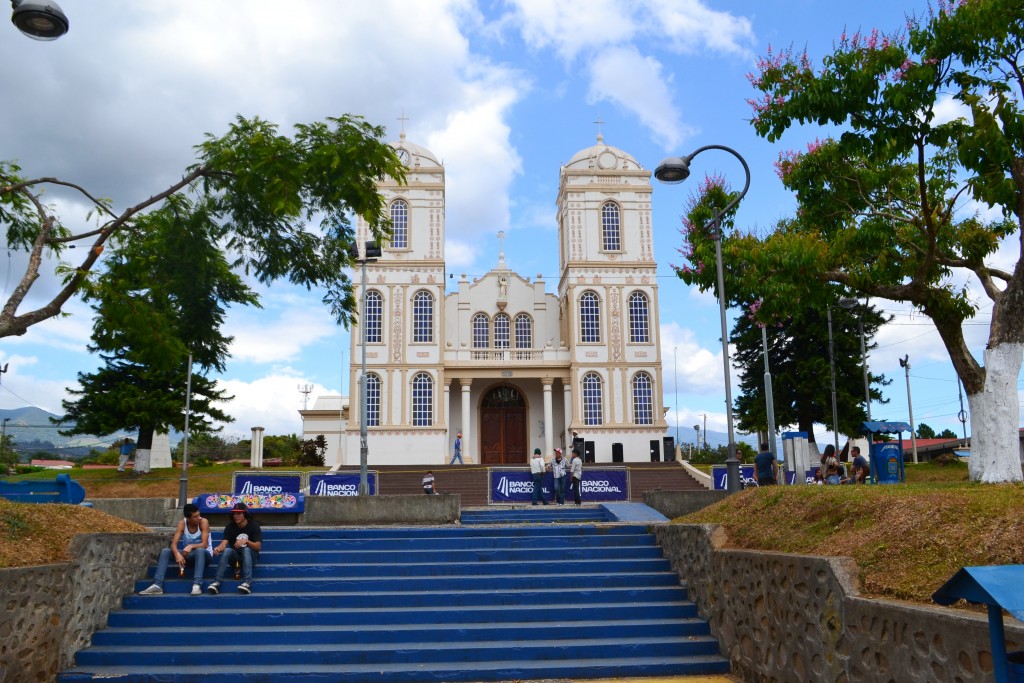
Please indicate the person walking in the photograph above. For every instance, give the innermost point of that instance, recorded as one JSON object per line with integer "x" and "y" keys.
{"x": 242, "y": 542}
{"x": 559, "y": 476}
{"x": 766, "y": 468}
{"x": 537, "y": 470}
{"x": 124, "y": 453}
{"x": 191, "y": 544}
{"x": 576, "y": 471}
{"x": 458, "y": 450}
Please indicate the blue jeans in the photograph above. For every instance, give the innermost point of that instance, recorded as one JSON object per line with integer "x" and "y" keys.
{"x": 538, "y": 494}
{"x": 199, "y": 558}
{"x": 228, "y": 559}
{"x": 559, "y": 486}
{"x": 457, "y": 456}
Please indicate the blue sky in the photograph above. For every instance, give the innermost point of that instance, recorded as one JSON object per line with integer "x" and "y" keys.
{"x": 502, "y": 92}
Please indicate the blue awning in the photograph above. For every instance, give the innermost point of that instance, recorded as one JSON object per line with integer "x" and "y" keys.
{"x": 999, "y": 585}
{"x": 885, "y": 427}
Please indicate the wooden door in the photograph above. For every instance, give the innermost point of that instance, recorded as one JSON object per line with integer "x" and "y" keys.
{"x": 503, "y": 438}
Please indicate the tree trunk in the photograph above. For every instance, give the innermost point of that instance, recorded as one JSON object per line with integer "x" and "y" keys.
{"x": 143, "y": 449}
{"x": 995, "y": 414}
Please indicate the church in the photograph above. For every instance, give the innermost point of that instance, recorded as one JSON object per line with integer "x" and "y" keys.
{"x": 501, "y": 359}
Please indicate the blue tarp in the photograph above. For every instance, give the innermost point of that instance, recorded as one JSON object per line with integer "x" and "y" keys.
{"x": 885, "y": 427}
{"x": 999, "y": 585}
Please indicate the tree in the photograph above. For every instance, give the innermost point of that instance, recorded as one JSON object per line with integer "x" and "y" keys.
{"x": 881, "y": 205}
{"x": 259, "y": 187}
{"x": 798, "y": 357}
{"x": 161, "y": 300}
{"x": 925, "y": 432}
{"x": 946, "y": 434}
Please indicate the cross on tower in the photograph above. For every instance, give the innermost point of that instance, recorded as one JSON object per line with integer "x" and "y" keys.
{"x": 403, "y": 118}
{"x": 600, "y": 138}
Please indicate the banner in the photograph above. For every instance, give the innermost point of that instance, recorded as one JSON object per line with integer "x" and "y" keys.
{"x": 266, "y": 485}
{"x": 278, "y": 502}
{"x": 346, "y": 484}
{"x": 719, "y": 475}
{"x": 598, "y": 485}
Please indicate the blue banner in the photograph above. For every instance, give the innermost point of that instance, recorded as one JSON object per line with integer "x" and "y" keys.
{"x": 266, "y": 485}
{"x": 256, "y": 502}
{"x": 719, "y": 475}
{"x": 516, "y": 486}
{"x": 346, "y": 484}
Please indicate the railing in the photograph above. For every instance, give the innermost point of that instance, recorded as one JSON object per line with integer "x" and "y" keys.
{"x": 504, "y": 355}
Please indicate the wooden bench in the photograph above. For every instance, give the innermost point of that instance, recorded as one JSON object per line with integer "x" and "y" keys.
{"x": 62, "y": 490}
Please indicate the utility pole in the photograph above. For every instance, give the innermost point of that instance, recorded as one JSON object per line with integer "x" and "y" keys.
{"x": 305, "y": 390}
{"x": 905, "y": 364}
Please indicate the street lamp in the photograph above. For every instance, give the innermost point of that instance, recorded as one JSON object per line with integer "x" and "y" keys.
{"x": 183, "y": 482}
{"x": 676, "y": 170}
{"x": 696, "y": 428}
{"x": 371, "y": 252}
{"x": 769, "y": 398}
{"x": 905, "y": 364}
{"x": 832, "y": 368}
{"x": 39, "y": 19}
{"x": 3, "y": 436}
{"x": 675, "y": 369}
{"x": 849, "y": 303}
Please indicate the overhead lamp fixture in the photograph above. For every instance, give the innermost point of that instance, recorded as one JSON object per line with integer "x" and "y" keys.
{"x": 39, "y": 19}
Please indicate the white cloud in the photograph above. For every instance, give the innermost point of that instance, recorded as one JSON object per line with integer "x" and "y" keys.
{"x": 691, "y": 25}
{"x": 948, "y": 109}
{"x": 636, "y": 83}
{"x": 699, "y": 370}
{"x": 272, "y": 402}
{"x": 573, "y": 27}
{"x": 262, "y": 339}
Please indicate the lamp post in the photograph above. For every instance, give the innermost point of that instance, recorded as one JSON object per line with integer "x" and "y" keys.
{"x": 849, "y": 303}
{"x": 676, "y": 170}
{"x": 39, "y": 19}
{"x": 675, "y": 370}
{"x": 769, "y": 399}
{"x": 183, "y": 482}
{"x": 832, "y": 369}
{"x": 696, "y": 428}
{"x": 3, "y": 437}
{"x": 905, "y": 364}
{"x": 371, "y": 252}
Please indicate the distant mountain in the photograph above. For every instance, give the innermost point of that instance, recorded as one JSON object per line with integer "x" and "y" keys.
{"x": 32, "y": 431}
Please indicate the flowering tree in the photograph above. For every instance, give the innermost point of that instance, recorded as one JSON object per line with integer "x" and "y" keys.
{"x": 882, "y": 205}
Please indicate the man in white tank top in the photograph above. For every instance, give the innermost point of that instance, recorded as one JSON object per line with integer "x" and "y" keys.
{"x": 191, "y": 544}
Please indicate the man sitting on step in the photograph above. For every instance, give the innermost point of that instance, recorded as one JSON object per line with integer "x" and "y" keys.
{"x": 191, "y": 544}
{"x": 243, "y": 540}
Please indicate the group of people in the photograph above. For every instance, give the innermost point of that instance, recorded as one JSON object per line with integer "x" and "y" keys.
{"x": 831, "y": 471}
{"x": 564, "y": 474}
{"x": 192, "y": 544}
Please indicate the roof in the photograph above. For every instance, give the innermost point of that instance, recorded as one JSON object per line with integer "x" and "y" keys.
{"x": 997, "y": 585}
{"x": 607, "y": 158}
{"x": 416, "y": 150}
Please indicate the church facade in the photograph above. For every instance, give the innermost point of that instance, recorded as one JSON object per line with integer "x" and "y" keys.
{"x": 502, "y": 360}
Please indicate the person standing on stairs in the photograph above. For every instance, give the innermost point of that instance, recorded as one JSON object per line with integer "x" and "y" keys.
{"x": 191, "y": 544}
{"x": 558, "y": 476}
{"x": 576, "y": 470}
{"x": 242, "y": 542}
{"x": 428, "y": 484}
{"x": 537, "y": 470}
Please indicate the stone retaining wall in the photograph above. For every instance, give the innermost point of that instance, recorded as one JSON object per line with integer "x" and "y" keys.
{"x": 781, "y": 618}
{"x": 51, "y": 611}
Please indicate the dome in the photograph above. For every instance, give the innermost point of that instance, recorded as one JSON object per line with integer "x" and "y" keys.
{"x": 604, "y": 158}
{"x": 418, "y": 154}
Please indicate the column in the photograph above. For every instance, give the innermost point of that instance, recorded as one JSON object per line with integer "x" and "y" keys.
{"x": 467, "y": 436}
{"x": 445, "y": 407}
{"x": 256, "y": 448}
{"x": 549, "y": 424}
{"x": 567, "y": 395}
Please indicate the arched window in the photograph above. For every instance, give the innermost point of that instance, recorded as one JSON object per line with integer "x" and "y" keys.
{"x": 422, "y": 400}
{"x": 399, "y": 224}
{"x": 590, "y": 318}
{"x": 639, "y": 328}
{"x": 593, "y": 412}
{"x": 423, "y": 317}
{"x": 481, "y": 331}
{"x": 502, "y": 327}
{"x": 643, "y": 399}
{"x": 372, "y": 400}
{"x": 610, "y": 233}
{"x": 373, "y": 317}
{"x": 524, "y": 335}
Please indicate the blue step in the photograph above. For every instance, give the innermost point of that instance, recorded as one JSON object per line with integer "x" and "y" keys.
{"x": 458, "y": 603}
{"x": 540, "y": 514}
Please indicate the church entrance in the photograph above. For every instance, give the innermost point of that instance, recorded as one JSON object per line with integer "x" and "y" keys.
{"x": 503, "y": 427}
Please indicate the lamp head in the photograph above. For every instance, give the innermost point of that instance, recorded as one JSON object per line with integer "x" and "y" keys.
{"x": 673, "y": 170}
{"x": 39, "y": 19}
{"x": 905, "y": 361}
{"x": 848, "y": 302}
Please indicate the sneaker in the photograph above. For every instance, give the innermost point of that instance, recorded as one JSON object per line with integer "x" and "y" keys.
{"x": 196, "y": 589}
{"x": 213, "y": 588}
{"x": 245, "y": 588}
{"x": 152, "y": 590}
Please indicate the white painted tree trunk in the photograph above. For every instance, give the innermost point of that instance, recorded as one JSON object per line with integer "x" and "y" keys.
{"x": 995, "y": 418}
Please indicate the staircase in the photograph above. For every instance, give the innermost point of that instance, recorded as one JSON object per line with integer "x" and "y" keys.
{"x": 471, "y": 603}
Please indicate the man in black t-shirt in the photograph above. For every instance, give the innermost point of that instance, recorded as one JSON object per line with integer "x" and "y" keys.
{"x": 242, "y": 542}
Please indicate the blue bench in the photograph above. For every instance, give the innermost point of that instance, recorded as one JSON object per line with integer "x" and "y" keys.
{"x": 63, "y": 490}
{"x": 221, "y": 503}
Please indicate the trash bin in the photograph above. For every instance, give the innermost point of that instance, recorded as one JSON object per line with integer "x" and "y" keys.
{"x": 887, "y": 462}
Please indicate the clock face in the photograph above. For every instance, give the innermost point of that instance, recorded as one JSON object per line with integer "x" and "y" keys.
{"x": 403, "y": 155}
